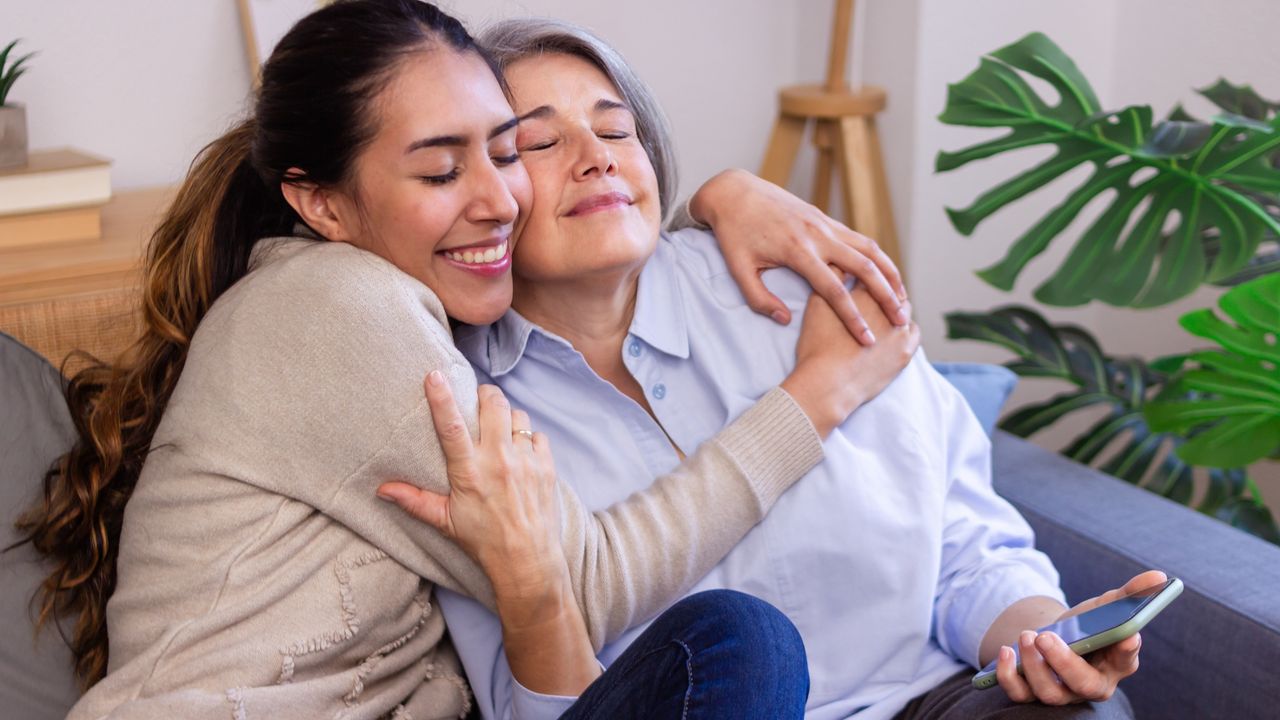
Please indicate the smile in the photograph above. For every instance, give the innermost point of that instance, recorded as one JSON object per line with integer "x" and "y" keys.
{"x": 599, "y": 203}
{"x": 477, "y": 256}
{"x": 487, "y": 262}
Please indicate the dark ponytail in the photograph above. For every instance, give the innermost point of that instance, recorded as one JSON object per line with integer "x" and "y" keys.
{"x": 310, "y": 121}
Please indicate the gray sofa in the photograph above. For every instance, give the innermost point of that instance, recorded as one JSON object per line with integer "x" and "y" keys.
{"x": 1214, "y": 653}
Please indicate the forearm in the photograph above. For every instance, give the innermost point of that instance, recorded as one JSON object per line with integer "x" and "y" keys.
{"x": 633, "y": 559}
{"x": 1026, "y": 614}
{"x": 546, "y": 642}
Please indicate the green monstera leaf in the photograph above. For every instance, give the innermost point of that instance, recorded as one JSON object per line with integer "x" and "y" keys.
{"x": 1120, "y": 442}
{"x": 1182, "y": 205}
{"x": 1229, "y": 401}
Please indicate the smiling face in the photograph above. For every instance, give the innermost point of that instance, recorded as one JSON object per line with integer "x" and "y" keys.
{"x": 438, "y": 190}
{"x": 595, "y": 213}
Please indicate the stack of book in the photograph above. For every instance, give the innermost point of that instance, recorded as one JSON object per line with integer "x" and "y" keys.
{"x": 56, "y": 197}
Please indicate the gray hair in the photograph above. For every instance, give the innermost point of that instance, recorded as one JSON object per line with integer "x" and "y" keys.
{"x": 518, "y": 38}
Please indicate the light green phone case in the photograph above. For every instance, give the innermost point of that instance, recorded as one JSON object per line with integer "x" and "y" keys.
{"x": 1158, "y": 602}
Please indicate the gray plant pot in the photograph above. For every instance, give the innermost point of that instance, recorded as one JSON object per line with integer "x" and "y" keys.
{"x": 13, "y": 135}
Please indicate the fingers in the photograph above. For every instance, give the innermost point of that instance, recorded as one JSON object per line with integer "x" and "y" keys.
{"x": 1139, "y": 582}
{"x": 1078, "y": 678}
{"x": 429, "y": 507}
{"x": 870, "y": 275}
{"x": 1120, "y": 660}
{"x": 871, "y": 249}
{"x": 495, "y": 418}
{"x": 1144, "y": 580}
{"x": 756, "y": 294}
{"x": 828, "y": 284}
{"x": 1042, "y": 679}
{"x": 1013, "y": 684}
{"x": 447, "y": 418}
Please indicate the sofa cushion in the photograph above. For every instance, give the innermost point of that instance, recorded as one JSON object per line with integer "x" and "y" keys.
{"x": 36, "y": 678}
{"x": 984, "y": 387}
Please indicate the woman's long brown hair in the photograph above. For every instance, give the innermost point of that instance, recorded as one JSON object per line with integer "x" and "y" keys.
{"x": 309, "y": 122}
{"x": 116, "y": 408}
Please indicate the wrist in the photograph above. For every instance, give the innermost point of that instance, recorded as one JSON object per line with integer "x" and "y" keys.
{"x": 526, "y": 605}
{"x": 703, "y": 203}
{"x": 827, "y": 406}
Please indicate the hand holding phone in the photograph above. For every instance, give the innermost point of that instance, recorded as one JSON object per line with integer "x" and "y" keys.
{"x": 1095, "y": 624}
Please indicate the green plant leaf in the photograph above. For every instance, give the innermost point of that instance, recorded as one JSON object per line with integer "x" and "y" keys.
{"x": 1229, "y": 401}
{"x": 1198, "y": 217}
{"x": 1238, "y": 99}
{"x": 1251, "y": 517}
{"x": 1125, "y": 441}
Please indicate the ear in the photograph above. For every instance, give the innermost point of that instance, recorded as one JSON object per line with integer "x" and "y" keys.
{"x": 326, "y": 211}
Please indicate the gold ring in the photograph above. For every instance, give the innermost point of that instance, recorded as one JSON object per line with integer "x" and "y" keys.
{"x": 523, "y": 433}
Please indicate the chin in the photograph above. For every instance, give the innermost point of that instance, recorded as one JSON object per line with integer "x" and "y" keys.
{"x": 478, "y": 309}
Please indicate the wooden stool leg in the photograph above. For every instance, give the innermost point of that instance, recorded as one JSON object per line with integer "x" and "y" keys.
{"x": 857, "y": 178}
{"x": 888, "y": 229}
{"x": 823, "y": 142}
{"x": 788, "y": 131}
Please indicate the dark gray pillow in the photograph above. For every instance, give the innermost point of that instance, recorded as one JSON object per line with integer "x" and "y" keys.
{"x": 36, "y": 676}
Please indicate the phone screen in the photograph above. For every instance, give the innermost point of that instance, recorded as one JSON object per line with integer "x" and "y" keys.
{"x": 1098, "y": 620}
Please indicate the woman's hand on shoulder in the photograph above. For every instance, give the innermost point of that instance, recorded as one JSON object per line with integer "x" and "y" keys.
{"x": 835, "y": 374}
{"x": 760, "y": 226}
{"x": 502, "y": 509}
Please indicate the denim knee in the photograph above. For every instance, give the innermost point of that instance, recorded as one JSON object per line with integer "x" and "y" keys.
{"x": 761, "y": 634}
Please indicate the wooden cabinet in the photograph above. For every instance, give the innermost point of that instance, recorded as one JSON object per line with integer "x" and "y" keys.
{"x": 84, "y": 295}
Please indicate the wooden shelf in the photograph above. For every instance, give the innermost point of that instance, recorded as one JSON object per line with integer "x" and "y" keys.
{"x": 82, "y": 295}
{"x": 56, "y": 270}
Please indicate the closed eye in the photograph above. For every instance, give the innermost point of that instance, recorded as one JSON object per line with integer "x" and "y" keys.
{"x": 504, "y": 160}
{"x": 440, "y": 179}
{"x": 543, "y": 145}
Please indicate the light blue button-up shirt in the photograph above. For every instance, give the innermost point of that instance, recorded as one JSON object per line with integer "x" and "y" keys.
{"x": 892, "y": 557}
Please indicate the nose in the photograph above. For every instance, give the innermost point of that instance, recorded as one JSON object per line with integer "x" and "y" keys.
{"x": 492, "y": 200}
{"x": 595, "y": 158}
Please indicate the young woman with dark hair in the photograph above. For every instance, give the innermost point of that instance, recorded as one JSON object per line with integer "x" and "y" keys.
{"x": 218, "y": 514}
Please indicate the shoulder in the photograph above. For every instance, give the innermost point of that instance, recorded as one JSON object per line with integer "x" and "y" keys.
{"x": 325, "y": 311}
{"x": 696, "y": 253}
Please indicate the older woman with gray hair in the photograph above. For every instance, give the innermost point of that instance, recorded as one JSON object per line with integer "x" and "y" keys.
{"x": 899, "y": 565}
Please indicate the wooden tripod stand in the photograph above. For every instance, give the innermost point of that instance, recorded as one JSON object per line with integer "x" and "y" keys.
{"x": 844, "y": 132}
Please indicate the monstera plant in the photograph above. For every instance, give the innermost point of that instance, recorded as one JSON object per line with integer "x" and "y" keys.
{"x": 1184, "y": 202}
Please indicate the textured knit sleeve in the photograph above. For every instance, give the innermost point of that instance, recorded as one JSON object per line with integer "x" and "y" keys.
{"x": 352, "y": 347}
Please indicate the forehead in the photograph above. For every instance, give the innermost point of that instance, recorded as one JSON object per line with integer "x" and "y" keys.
{"x": 562, "y": 81}
{"x": 442, "y": 90}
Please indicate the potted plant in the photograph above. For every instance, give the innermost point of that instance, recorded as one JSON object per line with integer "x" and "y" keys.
{"x": 13, "y": 117}
{"x": 1190, "y": 202}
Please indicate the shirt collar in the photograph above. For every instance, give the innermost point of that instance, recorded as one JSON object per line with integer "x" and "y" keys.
{"x": 659, "y": 318}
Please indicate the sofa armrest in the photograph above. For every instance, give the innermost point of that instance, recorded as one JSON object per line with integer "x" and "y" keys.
{"x": 1214, "y": 651}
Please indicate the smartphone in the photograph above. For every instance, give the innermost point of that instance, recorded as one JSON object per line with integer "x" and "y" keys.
{"x": 1102, "y": 626}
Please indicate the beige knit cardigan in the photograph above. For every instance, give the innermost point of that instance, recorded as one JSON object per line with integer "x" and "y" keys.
{"x": 260, "y": 577}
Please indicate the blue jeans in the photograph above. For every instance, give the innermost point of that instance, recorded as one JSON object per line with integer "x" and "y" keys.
{"x": 716, "y": 654}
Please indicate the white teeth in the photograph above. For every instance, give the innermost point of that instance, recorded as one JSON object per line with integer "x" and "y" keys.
{"x": 472, "y": 257}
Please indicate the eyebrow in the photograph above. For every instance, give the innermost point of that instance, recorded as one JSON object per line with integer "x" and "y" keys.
{"x": 602, "y": 105}
{"x": 458, "y": 140}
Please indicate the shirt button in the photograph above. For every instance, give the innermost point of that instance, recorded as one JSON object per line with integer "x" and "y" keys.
{"x": 659, "y": 391}
{"x": 634, "y": 348}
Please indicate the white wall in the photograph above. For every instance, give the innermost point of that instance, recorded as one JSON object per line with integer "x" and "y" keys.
{"x": 149, "y": 82}
{"x": 144, "y": 82}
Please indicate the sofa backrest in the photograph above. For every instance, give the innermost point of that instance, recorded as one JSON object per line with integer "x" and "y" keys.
{"x": 36, "y": 678}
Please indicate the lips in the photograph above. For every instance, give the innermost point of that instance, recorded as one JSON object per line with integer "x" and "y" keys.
{"x": 486, "y": 259}
{"x": 597, "y": 203}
